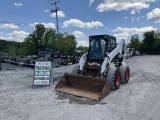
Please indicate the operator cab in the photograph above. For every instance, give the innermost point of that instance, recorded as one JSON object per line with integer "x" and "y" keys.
{"x": 100, "y": 45}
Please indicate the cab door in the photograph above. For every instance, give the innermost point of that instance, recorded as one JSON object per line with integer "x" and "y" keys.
{"x": 111, "y": 44}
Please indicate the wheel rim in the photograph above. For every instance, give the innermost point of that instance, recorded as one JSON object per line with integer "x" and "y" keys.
{"x": 118, "y": 78}
{"x": 127, "y": 74}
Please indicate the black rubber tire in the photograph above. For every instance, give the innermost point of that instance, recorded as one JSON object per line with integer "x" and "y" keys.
{"x": 75, "y": 69}
{"x": 125, "y": 74}
{"x": 114, "y": 76}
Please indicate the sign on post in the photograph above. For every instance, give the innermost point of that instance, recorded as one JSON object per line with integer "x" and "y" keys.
{"x": 42, "y": 73}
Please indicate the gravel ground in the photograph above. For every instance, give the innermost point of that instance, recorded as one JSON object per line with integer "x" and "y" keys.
{"x": 139, "y": 99}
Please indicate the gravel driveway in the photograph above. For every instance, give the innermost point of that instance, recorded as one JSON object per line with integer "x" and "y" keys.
{"x": 137, "y": 100}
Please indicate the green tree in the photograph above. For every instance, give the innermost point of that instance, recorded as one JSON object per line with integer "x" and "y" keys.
{"x": 83, "y": 49}
{"x": 11, "y": 50}
{"x": 66, "y": 43}
{"x": 149, "y": 44}
{"x": 156, "y": 47}
{"x": 46, "y": 38}
{"x": 135, "y": 43}
{"x": 4, "y": 45}
{"x": 71, "y": 41}
{"x": 50, "y": 39}
{"x": 40, "y": 38}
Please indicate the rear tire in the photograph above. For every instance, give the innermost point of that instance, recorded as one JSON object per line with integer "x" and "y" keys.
{"x": 125, "y": 74}
{"x": 114, "y": 77}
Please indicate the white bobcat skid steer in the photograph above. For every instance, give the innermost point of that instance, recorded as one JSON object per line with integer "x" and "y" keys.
{"x": 100, "y": 69}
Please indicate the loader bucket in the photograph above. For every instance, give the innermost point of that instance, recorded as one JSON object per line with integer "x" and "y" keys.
{"x": 95, "y": 88}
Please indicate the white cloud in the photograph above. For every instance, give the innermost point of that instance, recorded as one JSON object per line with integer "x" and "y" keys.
{"x": 78, "y": 23}
{"x": 20, "y": 34}
{"x": 142, "y": 17}
{"x": 123, "y": 34}
{"x": 18, "y": 4}
{"x": 59, "y": 13}
{"x": 17, "y": 36}
{"x": 138, "y": 18}
{"x": 82, "y": 43}
{"x": 132, "y": 19}
{"x": 8, "y": 26}
{"x": 119, "y": 5}
{"x": 90, "y": 2}
{"x": 46, "y": 25}
{"x": 134, "y": 30}
{"x": 154, "y": 15}
{"x": 49, "y": 25}
{"x": 78, "y": 34}
{"x": 133, "y": 12}
{"x": 47, "y": 10}
{"x": 1, "y": 32}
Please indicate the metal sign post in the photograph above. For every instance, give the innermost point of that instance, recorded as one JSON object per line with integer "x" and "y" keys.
{"x": 43, "y": 73}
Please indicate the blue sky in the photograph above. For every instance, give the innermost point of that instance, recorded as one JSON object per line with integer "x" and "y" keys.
{"x": 120, "y": 18}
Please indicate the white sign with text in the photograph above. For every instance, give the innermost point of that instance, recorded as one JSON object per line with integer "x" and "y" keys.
{"x": 42, "y": 73}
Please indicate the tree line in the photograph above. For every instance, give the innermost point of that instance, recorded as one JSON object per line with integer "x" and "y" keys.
{"x": 43, "y": 37}
{"x": 149, "y": 45}
{"x": 40, "y": 38}
{"x": 9, "y": 46}
{"x": 66, "y": 43}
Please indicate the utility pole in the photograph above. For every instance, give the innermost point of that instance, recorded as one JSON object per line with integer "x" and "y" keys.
{"x": 56, "y": 10}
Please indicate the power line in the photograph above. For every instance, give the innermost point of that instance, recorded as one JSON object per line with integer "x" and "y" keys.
{"x": 16, "y": 23}
{"x": 22, "y": 14}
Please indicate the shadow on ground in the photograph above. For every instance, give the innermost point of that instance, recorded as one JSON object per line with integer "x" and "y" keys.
{"x": 78, "y": 100}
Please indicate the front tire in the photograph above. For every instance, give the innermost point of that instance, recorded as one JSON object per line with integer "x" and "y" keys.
{"x": 114, "y": 77}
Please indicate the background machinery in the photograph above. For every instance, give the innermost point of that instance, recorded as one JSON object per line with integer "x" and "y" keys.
{"x": 0, "y": 63}
{"x": 129, "y": 52}
{"x": 100, "y": 69}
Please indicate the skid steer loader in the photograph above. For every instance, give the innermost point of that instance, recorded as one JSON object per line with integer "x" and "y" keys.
{"x": 100, "y": 70}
